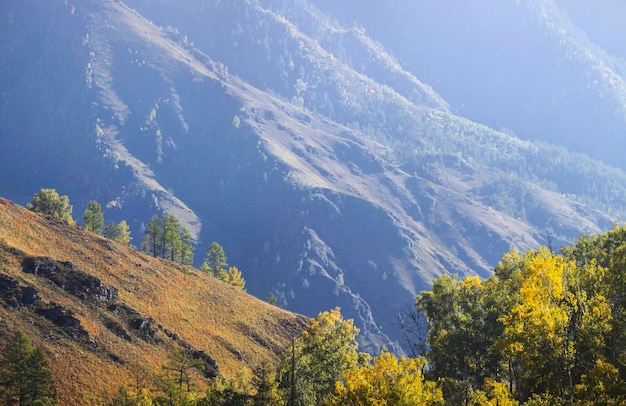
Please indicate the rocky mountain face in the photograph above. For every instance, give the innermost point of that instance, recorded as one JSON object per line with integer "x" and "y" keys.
{"x": 331, "y": 174}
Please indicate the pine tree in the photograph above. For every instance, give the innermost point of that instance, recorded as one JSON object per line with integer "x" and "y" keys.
{"x": 216, "y": 258}
{"x": 93, "y": 219}
{"x": 25, "y": 376}
{"x": 118, "y": 232}
{"x": 167, "y": 238}
{"x": 151, "y": 240}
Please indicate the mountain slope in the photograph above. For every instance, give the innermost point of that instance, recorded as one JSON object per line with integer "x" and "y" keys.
{"x": 101, "y": 310}
{"x": 548, "y": 70}
{"x": 328, "y": 185}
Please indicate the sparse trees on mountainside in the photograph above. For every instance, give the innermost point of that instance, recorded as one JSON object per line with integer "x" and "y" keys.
{"x": 215, "y": 259}
{"x": 233, "y": 277}
{"x": 167, "y": 238}
{"x": 25, "y": 377}
{"x": 118, "y": 232}
{"x": 93, "y": 219}
{"x": 216, "y": 263}
{"x": 48, "y": 201}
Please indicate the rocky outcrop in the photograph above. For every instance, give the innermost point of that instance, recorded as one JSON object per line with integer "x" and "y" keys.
{"x": 63, "y": 318}
{"x": 69, "y": 278}
{"x": 15, "y": 295}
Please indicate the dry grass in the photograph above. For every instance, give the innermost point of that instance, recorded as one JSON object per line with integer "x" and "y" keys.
{"x": 232, "y": 327}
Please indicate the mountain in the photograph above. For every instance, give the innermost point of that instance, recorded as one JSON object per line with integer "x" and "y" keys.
{"x": 105, "y": 314}
{"x": 331, "y": 174}
{"x": 547, "y": 70}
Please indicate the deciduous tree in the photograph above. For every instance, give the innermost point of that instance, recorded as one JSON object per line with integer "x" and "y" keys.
{"x": 318, "y": 359}
{"x": 387, "y": 381}
{"x": 48, "y": 201}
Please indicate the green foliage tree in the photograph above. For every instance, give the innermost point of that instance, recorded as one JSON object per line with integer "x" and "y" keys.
{"x": 215, "y": 258}
{"x": 463, "y": 328}
{"x": 25, "y": 376}
{"x": 266, "y": 386}
{"x": 215, "y": 264}
{"x": 175, "y": 381}
{"x": 93, "y": 219}
{"x": 167, "y": 238}
{"x": 229, "y": 392}
{"x": 544, "y": 329}
{"x": 118, "y": 232}
{"x": 48, "y": 201}
{"x": 151, "y": 241}
{"x": 318, "y": 359}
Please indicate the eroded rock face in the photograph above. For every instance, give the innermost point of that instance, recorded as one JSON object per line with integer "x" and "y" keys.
{"x": 15, "y": 295}
{"x": 67, "y": 276}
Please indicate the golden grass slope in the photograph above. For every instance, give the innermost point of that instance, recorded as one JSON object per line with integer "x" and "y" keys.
{"x": 232, "y": 327}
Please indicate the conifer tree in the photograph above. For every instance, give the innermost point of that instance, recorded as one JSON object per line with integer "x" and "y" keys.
{"x": 118, "y": 232}
{"x": 168, "y": 239}
{"x": 25, "y": 376}
{"x": 233, "y": 277}
{"x": 216, "y": 258}
{"x": 151, "y": 240}
{"x": 93, "y": 219}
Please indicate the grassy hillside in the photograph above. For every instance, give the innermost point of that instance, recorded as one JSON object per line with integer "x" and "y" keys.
{"x": 160, "y": 308}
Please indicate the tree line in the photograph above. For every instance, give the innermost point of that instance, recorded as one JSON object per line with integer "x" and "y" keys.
{"x": 164, "y": 237}
{"x": 545, "y": 329}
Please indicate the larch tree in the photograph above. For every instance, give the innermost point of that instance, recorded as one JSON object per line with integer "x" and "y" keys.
{"x": 167, "y": 238}
{"x": 93, "y": 219}
{"x": 151, "y": 241}
{"x": 233, "y": 277}
{"x": 215, "y": 258}
{"x": 118, "y": 232}
{"x": 25, "y": 376}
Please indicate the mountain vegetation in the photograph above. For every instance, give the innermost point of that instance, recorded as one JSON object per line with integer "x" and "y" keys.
{"x": 26, "y": 376}
{"x": 338, "y": 161}
{"x": 545, "y": 329}
{"x": 105, "y": 316}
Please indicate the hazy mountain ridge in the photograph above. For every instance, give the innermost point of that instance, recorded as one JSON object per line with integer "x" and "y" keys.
{"x": 360, "y": 212}
{"x": 525, "y": 66}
